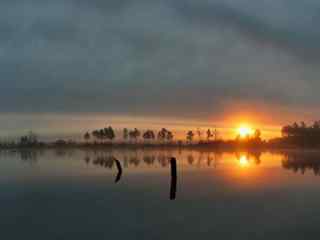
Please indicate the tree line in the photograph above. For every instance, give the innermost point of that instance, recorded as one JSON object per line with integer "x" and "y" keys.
{"x": 293, "y": 135}
{"x": 108, "y": 134}
{"x": 302, "y": 134}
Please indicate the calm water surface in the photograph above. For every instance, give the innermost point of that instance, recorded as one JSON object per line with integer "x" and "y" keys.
{"x": 72, "y": 194}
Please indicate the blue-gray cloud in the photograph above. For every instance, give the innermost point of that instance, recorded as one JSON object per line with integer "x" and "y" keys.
{"x": 176, "y": 58}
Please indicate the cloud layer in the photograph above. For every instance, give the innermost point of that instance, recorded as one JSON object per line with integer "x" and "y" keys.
{"x": 166, "y": 58}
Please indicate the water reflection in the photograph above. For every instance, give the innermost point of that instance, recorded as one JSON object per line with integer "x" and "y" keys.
{"x": 30, "y": 157}
{"x": 302, "y": 162}
{"x": 244, "y": 161}
{"x": 296, "y": 161}
{"x": 138, "y": 158}
{"x": 249, "y": 158}
{"x": 104, "y": 161}
{"x": 64, "y": 189}
{"x": 240, "y": 165}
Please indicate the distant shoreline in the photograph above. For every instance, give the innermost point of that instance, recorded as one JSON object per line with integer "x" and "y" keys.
{"x": 295, "y": 136}
{"x": 138, "y": 146}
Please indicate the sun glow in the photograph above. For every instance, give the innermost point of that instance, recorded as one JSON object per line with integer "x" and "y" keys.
{"x": 245, "y": 131}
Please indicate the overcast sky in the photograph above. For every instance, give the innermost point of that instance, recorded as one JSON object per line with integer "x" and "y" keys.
{"x": 192, "y": 59}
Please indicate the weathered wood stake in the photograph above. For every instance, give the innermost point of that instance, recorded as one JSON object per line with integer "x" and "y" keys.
{"x": 173, "y": 188}
{"x": 119, "y": 167}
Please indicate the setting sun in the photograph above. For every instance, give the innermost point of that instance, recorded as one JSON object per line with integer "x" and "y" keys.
{"x": 245, "y": 131}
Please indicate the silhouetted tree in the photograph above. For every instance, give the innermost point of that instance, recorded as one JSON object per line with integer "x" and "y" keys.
{"x": 96, "y": 135}
{"x": 86, "y": 137}
{"x": 169, "y": 136}
{"x": 134, "y": 134}
{"x": 104, "y": 134}
{"x": 149, "y": 135}
{"x": 190, "y": 136}
{"x": 199, "y": 133}
{"x": 125, "y": 134}
{"x": 29, "y": 140}
{"x": 302, "y": 134}
{"x": 162, "y": 135}
{"x": 165, "y": 135}
{"x": 209, "y": 135}
{"x": 215, "y": 134}
{"x": 110, "y": 134}
{"x": 257, "y": 134}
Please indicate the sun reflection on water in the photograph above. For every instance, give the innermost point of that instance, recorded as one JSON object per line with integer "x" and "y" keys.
{"x": 244, "y": 161}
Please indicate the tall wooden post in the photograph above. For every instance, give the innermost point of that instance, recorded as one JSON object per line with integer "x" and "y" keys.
{"x": 173, "y": 188}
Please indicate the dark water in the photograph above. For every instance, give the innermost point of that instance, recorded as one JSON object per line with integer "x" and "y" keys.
{"x": 73, "y": 195}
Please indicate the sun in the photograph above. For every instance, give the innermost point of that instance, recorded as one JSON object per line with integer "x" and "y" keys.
{"x": 245, "y": 131}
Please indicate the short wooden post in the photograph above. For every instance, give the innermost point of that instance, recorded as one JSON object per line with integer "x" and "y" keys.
{"x": 118, "y": 164}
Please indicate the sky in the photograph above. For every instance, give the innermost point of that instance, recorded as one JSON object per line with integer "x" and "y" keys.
{"x": 69, "y": 65}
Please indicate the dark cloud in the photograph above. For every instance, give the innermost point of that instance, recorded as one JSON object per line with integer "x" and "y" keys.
{"x": 168, "y": 58}
{"x": 302, "y": 42}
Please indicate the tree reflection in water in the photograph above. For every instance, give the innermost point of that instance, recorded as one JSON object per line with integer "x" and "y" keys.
{"x": 104, "y": 161}
{"x": 135, "y": 158}
{"x": 30, "y": 157}
{"x": 116, "y": 159}
{"x": 302, "y": 162}
{"x": 295, "y": 161}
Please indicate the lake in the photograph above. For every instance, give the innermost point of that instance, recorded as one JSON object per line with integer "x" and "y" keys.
{"x": 72, "y": 194}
